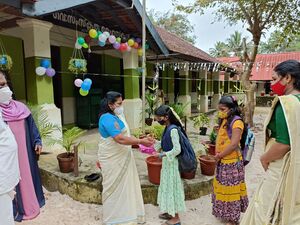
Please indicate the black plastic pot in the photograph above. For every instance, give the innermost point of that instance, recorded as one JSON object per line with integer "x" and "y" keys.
{"x": 203, "y": 130}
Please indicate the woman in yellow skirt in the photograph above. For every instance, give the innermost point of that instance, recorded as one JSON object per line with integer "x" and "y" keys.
{"x": 229, "y": 195}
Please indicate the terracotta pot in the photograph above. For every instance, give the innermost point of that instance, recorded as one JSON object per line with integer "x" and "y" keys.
{"x": 262, "y": 94}
{"x": 203, "y": 130}
{"x": 188, "y": 176}
{"x": 66, "y": 162}
{"x": 154, "y": 165}
{"x": 149, "y": 121}
{"x": 211, "y": 149}
{"x": 207, "y": 164}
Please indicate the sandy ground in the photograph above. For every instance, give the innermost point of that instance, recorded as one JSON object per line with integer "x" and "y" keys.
{"x": 62, "y": 210}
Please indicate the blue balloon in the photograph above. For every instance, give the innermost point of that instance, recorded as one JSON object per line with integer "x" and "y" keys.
{"x": 85, "y": 86}
{"x": 3, "y": 61}
{"x": 45, "y": 63}
{"x": 88, "y": 80}
{"x": 101, "y": 44}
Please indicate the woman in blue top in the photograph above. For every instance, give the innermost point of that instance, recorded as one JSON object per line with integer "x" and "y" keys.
{"x": 121, "y": 196}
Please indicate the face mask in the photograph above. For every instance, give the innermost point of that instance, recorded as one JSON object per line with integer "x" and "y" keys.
{"x": 278, "y": 88}
{"x": 5, "y": 95}
{"x": 119, "y": 110}
{"x": 222, "y": 115}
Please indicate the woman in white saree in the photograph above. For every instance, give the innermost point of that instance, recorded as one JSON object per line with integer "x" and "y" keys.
{"x": 277, "y": 199}
{"x": 121, "y": 196}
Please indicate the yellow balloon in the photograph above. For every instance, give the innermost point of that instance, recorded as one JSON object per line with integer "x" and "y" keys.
{"x": 130, "y": 42}
{"x": 93, "y": 33}
{"x": 85, "y": 45}
{"x": 83, "y": 92}
{"x": 140, "y": 51}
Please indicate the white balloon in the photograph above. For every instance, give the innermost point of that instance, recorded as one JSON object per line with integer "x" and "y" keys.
{"x": 106, "y": 34}
{"x": 77, "y": 45}
{"x": 102, "y": 38}
{"x": 40, "y": 71}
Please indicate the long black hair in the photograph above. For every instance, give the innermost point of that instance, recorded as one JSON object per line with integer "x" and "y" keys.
{"x": 291, "y": 67}
{"x": 235, "y": 110}
{"x": 165, "y": 110}
{"x": 110, "y": 98}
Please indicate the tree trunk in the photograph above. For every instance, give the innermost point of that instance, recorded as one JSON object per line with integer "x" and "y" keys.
{"x": 249, "y": 87}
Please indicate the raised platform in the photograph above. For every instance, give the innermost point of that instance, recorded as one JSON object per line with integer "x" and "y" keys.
{"x": 90, "y": 192}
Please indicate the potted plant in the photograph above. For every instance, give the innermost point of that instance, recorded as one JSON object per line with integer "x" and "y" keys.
{"x": 202, "y": 121}
{"x": 77, "y": 65}
{"x": 138, "y": 133}
{"x": 5, "y": 62}
{"x": 66, "y": 159}
{"x": 212, "y": 142}
{"x": 179, "y": 108}
{"x": 151, "y": 100}
{"x": 207, "y": 163}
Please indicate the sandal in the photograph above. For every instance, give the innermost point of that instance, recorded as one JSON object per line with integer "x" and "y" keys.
{"x": 92, "y": 177}
{"x": 168, "y": 223}
{"x": 165, "y": 216}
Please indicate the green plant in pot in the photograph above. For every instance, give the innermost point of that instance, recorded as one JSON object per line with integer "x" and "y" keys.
{"x": 207, "y": 162}
{"x": 201, "y": 121}
{"x": 151, "y": 101}
{"x": 69, "y": 141}
{"x": 179, "y": 108}
{"x": 212, "y": 143}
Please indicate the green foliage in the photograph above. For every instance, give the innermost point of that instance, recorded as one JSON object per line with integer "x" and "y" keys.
{"x": 176, "y": 23}
{"x": 179, "y": 108}
{"x": 70, "y": 137}
{"x": 151, "y": 101}
{"x": 156, "y": 131}
{"x": 9, "y": 63}
{"x": 219, "y": 50}
{"x": 137, "y": 133}
{"x": 45, "y": 127}
{"x": 201, "y": 121}
{"x": 76, "y": 69}
{"x": 213, "y": 137}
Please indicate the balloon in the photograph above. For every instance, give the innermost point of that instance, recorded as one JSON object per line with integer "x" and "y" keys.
{"x": 102, "y": 38}
{"x": 102, "y": 44}
{"x": 50, "y": 72}
{"x": 77, "y": 63}
{"x": 118, "y": 39}
{"x": 138, "y": 40}
{"x": 45, "y": 63}
{"x": 123, "y": 47}
{"x": 130, "y": 42}
{"x": 85, "y": 45}
{"x": 40, "y": 71}
{"x": 140, "y": 51}
{"x": 116, "y": 45}
{"x": 80, "y": 40}
{"x": 106, "y": 34}
{"x": 78, "y": 46}
{"x": 87, "y": 39}
{"x": 93, "y": 33}
{"x": 88, "y": 81}
{"x": 3, "y": 61}
{"x": 98, "y": 33}
{"x": 136, "y": 45}
{"x": 128, "y": 49}
{"x": 124, "y": 40}
{"x": 78, "y": 82}
{"x": 112, "y": 39}
{"x": 83, "y": 92}
{"x": 85, "y": 86}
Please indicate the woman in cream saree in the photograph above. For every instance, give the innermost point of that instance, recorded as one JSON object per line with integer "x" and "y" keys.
{"x": 121, "y": 196}
{"x": 277, "y": 199}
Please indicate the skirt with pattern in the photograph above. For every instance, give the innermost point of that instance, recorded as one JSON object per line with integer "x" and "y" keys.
{"x": 229, "y": 195}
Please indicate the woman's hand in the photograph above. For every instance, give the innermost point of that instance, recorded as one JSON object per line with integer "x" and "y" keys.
{"x": 38, "y": 149}
{"x": 218, "y": 157}
{"x": 264, "y": 162}
{"x": 147, "y": 141}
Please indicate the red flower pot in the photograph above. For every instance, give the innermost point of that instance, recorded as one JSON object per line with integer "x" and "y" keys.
{"x": 154, "y": 165}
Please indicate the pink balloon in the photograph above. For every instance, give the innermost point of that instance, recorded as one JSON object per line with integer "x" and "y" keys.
{"x": 50, "y": 72}
{"x": 112, "y": 39}
{"x": 78, "y": 82}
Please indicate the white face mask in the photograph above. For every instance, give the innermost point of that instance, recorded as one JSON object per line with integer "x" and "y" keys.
{"x": 5, "y": 95}
{"x": 119, "y": 110}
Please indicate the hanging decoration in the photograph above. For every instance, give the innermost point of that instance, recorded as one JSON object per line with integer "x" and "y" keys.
{"x": 84, "y": 86}
{"x": 45, "y": 68}
{"x": 77, "y": 63}
{"x": 6, "y": 62}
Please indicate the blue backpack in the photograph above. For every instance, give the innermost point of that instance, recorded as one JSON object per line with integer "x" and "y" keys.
{"x": 247, "y": 142}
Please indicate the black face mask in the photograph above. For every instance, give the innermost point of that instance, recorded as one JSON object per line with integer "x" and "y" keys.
{"x": 162, "y": 122}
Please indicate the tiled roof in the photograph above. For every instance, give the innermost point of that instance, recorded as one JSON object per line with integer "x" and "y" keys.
{"x": 264, "y": 63}
{"x": 179, "y": 45}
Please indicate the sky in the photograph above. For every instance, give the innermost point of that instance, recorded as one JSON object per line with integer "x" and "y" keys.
{"x": 207, "y": 33}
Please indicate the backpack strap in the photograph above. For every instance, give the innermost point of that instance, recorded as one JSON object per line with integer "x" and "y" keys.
{"x": 229, "y": 129}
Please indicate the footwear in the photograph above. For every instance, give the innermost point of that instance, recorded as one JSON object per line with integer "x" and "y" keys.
{"x": 165, "y": 216}
{"x": 92, "y": 177}
{"x": 168, "y": 223}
